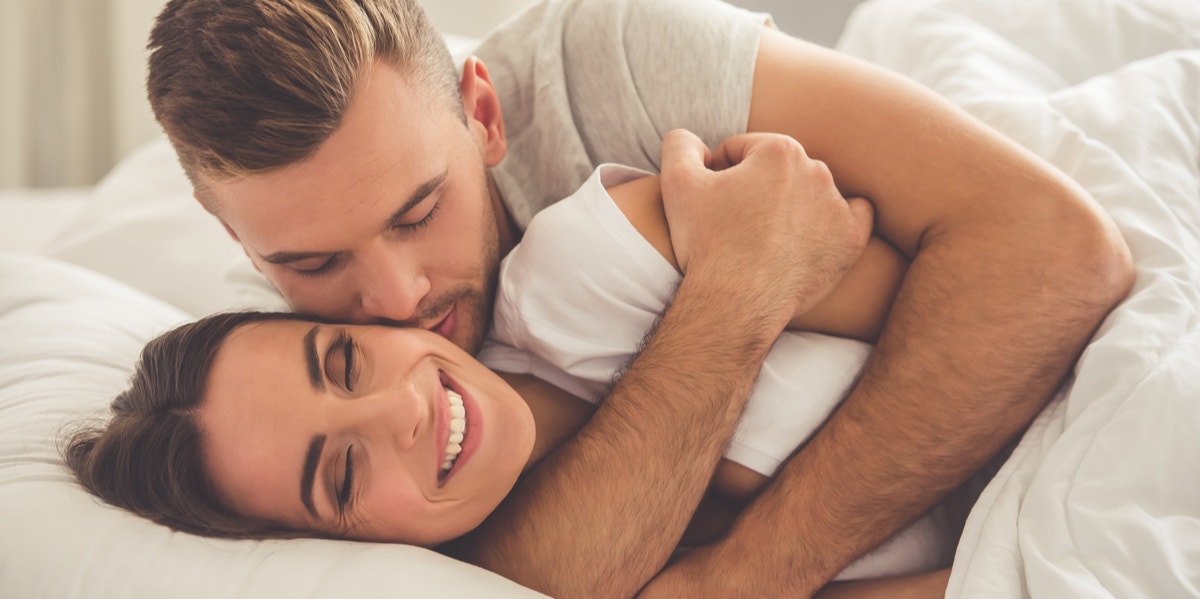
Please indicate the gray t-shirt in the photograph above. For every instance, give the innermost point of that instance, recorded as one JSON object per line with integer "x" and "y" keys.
{"x": 584, "y": 82}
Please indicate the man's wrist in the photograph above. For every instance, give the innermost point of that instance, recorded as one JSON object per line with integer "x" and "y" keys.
{"x": 731, "y": 568}
{"x": 747, "y": 307}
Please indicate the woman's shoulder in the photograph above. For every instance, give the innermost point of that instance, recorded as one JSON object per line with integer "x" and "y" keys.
{"x": 640, "y": 200}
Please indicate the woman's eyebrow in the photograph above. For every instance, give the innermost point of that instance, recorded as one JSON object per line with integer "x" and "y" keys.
{"x": 314, "y": 363}
{"x": 309, "y": 473}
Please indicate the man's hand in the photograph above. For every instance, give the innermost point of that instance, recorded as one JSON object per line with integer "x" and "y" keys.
{"x": 769, "y": 223}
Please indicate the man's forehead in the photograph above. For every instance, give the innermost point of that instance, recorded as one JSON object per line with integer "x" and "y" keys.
{"x": 270, "y": 218}
{"x": 390, "y": 143}
{"x": 299, "y": 190}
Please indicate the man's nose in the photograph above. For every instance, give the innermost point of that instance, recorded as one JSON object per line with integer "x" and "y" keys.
{"x": 390, "y": 287}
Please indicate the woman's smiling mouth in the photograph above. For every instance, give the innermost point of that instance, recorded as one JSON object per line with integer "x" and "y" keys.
{"x": 458, "y": 429}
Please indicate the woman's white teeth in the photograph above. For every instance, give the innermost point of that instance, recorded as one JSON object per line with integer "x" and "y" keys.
{"x": 458, "y": 426}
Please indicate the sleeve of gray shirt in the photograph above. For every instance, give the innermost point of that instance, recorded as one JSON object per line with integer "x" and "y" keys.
{"x": 584, "y": 82}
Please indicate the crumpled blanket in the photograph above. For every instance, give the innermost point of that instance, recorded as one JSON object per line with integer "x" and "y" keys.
{"x": 1101, "y": 497}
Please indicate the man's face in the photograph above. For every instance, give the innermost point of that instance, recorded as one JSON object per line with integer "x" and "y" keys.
{"x": 391, "y": 220}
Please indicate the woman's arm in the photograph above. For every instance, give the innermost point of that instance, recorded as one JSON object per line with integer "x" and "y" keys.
{"x": 931, "y": 585}
{"x": 856, "y": 308}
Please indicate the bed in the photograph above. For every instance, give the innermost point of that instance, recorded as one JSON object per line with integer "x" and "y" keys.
{"x": 1101, "y": 496}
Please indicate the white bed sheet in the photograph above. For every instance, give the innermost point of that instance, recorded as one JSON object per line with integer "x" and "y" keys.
{"x": 1101, "y": 498}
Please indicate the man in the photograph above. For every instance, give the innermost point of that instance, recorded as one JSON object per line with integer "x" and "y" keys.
{"x": 370, "y": 182}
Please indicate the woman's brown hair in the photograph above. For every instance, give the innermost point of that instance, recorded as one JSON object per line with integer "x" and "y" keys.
{"x": 147, "y": 458}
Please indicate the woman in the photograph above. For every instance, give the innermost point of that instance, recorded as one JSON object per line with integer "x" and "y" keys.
{"x": 251, "y": 411}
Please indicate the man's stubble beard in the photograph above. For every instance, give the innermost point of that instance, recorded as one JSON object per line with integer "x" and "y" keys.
{"x": 475, "y": 304}
{"x": 481, "y": 301}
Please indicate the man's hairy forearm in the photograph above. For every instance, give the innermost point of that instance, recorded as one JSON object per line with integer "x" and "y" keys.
{"x": 981, "y": 335}
{"x": 601, "y": 516}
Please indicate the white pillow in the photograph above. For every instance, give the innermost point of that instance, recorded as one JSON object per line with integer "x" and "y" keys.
{"x": 70, "y": 337}
{"x": 143, "y": 227}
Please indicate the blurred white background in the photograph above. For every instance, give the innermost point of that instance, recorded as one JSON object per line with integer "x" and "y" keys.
{"x": 72, "y": 73}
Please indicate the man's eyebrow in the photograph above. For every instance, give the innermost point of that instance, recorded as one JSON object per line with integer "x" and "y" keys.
{"x": 422, "y": 192}
{"x": 310, "y": 473}
{"x": 310, "y": 357}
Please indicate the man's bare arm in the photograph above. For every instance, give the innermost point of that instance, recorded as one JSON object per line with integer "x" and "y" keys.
{"x": 601, "y": 516}
{"x": 1013, "y": 267}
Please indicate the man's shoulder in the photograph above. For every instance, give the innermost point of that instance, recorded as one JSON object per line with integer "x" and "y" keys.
{"x": 563, "y": 25}
{"x": 583, "y": 82}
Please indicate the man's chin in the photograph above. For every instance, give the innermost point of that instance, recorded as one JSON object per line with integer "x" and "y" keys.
{"x": 463, "y": 327}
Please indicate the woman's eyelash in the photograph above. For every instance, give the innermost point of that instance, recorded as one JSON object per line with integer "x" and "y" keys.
{"x": 343, "y": 495}
{"x": 344, "y": 345}
{"x": 348, "y": 352}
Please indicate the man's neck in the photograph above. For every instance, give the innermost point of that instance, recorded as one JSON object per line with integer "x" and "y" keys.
{"x": 509, "y": 232}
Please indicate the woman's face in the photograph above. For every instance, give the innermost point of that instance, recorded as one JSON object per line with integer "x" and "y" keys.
{"x": 365, "y": 432}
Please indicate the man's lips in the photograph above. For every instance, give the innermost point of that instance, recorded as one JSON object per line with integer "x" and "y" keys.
{"x": 445, "y": 327}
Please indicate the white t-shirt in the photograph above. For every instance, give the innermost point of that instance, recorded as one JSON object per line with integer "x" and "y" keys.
{"x": 577, "y": 296}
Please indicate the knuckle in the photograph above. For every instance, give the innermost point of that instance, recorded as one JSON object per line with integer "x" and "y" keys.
{"x": 794, "y": 146}
{"x": 675, "y": 135}
{"x": 680, "y": 132}
{"x": 821, "y": 171}
{"x": 790, "y": 147}
{"x": 783, "y": 145}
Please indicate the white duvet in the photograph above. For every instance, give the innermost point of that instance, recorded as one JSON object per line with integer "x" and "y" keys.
{"x": 1102, "y": 495}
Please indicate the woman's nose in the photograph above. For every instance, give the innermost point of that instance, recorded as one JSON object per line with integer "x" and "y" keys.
{"x": 396, "y": 417}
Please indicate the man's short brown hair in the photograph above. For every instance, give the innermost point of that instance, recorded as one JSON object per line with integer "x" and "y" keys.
{"x": 247, "y": 86}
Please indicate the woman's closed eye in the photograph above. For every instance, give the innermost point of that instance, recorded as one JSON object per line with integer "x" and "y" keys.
{"x": 341, "y": 361}
{"x": 343, "y": 492}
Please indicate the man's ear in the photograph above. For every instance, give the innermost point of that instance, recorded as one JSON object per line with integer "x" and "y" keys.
{"x": 482, "y": 107}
